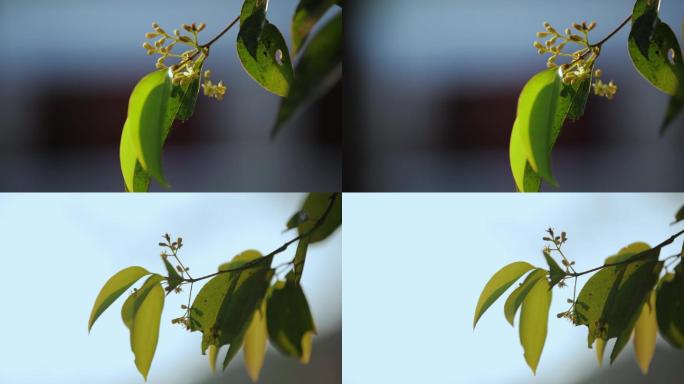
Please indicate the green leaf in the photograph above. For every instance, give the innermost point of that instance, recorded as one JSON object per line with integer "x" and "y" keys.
{"x": 534, "y": 318}
{"x": 517, "y": 297}
{"x": 297, "y": 219}
{"x": 651, "y": 42}
{"x": 306, "y": 15}
{"x": 289, "y": 322}
{"x": 113, "y": 288}
{"x": 556, "y": 274}
{"x": 180, "y": 106}
{"x": 670, "y": 308}
{"x": 498, "y": 284}
{"x": 254, "y": 349}
{"x": 536, "y": 113}
{"x": 610, "y": 302}
{"x": 679, "y": 216}
{"x": 141, "y": 313}
{"x": 174, "y": 279}
{"x": 314, "y": 206}
{"x": 224, "y": 306}
{"x": 318, "y": 69}
{"x": 262, "y": 49}
{"x": 570, "y": 103}
{"x": 145, "y": 123}
{"x": 300, "y": 258}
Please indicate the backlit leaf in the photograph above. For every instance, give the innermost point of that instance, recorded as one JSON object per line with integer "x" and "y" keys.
{"x": 670, "y": 308}
{"x": 141, "y": 313}
{"x": 645, "y": 332}
{"x": 679, "y": 216}
{"x": 556, "y": 274}
{"x": 306, "y": 15}
{"x": 517, "y": 297}
{"x": 318, "y": 69}
{"x": 113, "y": 288}
{"x": 535, "y": 116}
{"x": 534, "y": 318}
{"x": 288, "y": 320}
{"x": 254, "y": 349}
{"x": 224, "y": 306}
{"x": 600, "y": 346}
{"x": 315, "y": 205}
{"x": 498, "y": 284}
{"x": 262, "y": 49}
{"x": 526, "y": 179}
{"x": 174, "y": 279}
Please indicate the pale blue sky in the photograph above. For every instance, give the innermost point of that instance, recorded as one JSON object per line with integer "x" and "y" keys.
{"x": 415, "y": 264}
{"x": 59, "y": 249}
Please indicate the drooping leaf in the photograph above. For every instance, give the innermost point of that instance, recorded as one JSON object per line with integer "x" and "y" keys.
{"x": 600, "y": 346}
{"x": 288, "y": 320}
{"x": 570, "y": 103}
{"x": 535, "y": 117}
{"x": 113, "y": 288}
{"x": 315, "y": 206}
{"x": 654, "y": 49}
{"x": 255, "y": 343}
{"x": 262, "y": 49}
{"x": 498, "y": 284}
{"x": 141, "y": 313}
{"x": 174, "y": 279}
{"x": 670, "y": 308}
{"x": 610, "y": 302}
{"x": 517, "y": 297}
{"x": 534, "y": 318}
{"x": 645, "y": 332}
{"x": 318, "y": 69}
{"x": 212, "y": 353}
{"x": 306, "y": 15}
{"x": 225, "y": 305}
{"x": 145, "y": 124}
{"x": 556, "y": 274}
{"x": 180, "y": 106}
{"x": 300, "y": 258}
{"x": 297, "y": 219}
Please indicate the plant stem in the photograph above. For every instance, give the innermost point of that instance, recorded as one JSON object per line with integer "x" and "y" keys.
{"x": 619, "y": 27}
{"x": 255, "y": 262}
{"x": 636, "y": 257}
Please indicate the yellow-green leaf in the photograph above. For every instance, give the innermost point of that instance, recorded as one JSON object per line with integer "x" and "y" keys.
{"x": 306, "y": 15}
{"x": 212, "y": 354}
{"x": 534, "y": 318}
{"x": 145, "y": 124}
{"x": 600, "y": 345}
{"x": 645, "y": 332}
{"x": 254, "y": 349}
{"x": 498, "y": 284}
{"x": 536, "y": 114}
{"x": 141, "y": 313}
{"x": 288, "y": 320}
{"x": 314, "y": 207}
{"x": 517, "y": 297}
{"x": 526, "y": 180}
{"x": 113, "y": 288}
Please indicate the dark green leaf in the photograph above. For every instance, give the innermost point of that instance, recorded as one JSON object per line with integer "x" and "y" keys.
{"x": 262, "y": 49}
{"x": 224, "y": 306}
{"x": 679, "y": 216}
{"x": 319, "y": 68}
{"x": 556, "y": 274}
{"x": 654, "y": 49}
{"x": 674, "y": 108}
{"x": 174, "y": 279}
{"x": 498, "y": 284}
{"x": 315, "y": 205}
{"x": 670, "y": 308}
{"x": 141, "y": 313}
{"x": 517, "y": 297}
{"x": 113, "y": 288}
{"x": 610, "y": 302}
{"x": 306, "y": 15}
{"x": 288, "y": 319}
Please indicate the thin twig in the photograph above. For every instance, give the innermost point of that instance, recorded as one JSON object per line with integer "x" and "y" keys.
{"x": 600, "y": 43}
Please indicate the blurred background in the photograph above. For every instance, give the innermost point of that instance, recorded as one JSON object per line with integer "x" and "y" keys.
{"x": 435, "y": 85}
{"x": 69, "y": 66}
{"x": 415, "y": 264}
{"x": 58, "y": 251}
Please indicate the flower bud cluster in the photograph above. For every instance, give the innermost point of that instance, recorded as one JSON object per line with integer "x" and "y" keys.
{"x": 582, "y": 59}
